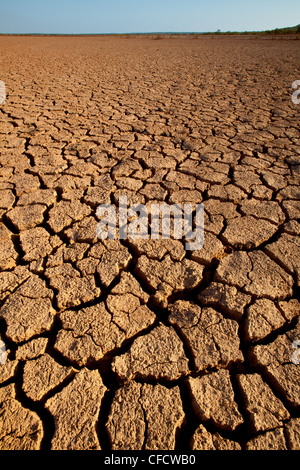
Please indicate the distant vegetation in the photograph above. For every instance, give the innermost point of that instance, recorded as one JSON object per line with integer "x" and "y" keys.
{"x": 290, "y": 30}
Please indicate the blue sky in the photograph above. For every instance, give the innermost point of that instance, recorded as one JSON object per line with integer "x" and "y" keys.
{"x": 117, "y": 16}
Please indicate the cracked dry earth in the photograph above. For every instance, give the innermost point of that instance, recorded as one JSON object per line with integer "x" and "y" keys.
{"x": 138, "y": 344}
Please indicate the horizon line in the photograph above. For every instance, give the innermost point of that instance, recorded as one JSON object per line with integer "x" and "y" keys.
{"x": 151, "y": 32}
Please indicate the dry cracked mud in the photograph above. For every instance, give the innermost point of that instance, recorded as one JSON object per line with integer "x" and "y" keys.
{"x": 142, "y": 344}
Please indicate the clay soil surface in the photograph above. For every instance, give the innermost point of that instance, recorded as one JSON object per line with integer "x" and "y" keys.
{"x": 135, "y": 344}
